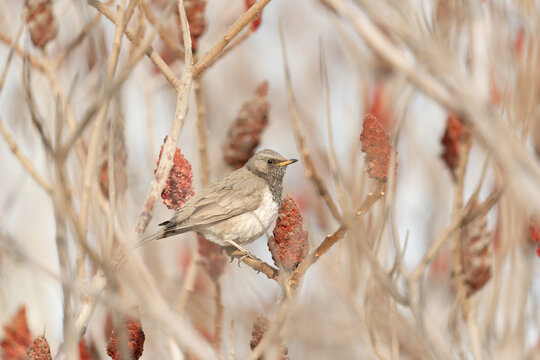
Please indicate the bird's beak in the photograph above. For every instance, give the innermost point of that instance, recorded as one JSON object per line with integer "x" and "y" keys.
{"x": 287, "y": 162}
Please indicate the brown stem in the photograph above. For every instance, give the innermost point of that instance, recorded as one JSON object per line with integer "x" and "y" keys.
{"x": 244, "y": 20}
{"x": 149, "y": 50}
{"x": 218, "y": 322}
{"x": 257, "y": 265}
{"x": 311, "y": 171}
{"x": 312, "y": 258}
{"x": 163, "y": 34}
{"x": 201, "y": 130}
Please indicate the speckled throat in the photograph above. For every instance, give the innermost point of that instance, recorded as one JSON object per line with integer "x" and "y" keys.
{"x": 274, "y": 180}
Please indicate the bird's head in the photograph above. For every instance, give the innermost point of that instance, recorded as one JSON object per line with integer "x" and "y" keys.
{"x": 269, "y": 164}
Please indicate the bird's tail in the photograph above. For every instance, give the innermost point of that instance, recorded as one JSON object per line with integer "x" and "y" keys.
{"x": 161, "y": 234}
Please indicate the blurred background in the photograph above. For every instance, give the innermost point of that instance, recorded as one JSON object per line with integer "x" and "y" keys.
{"x": 412, "y": 64}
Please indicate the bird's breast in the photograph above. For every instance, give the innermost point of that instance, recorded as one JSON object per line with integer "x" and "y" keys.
{"x": 247, "y": 227}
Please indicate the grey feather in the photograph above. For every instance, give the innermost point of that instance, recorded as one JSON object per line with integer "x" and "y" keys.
{"x": 237, "y": 193}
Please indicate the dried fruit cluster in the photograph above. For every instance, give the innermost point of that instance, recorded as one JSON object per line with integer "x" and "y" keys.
{"x": 179, "y": 186}
{"x": 245, "y": 133}
{"x": 135, "y": 338}
{"x": 41, "y": 22}
{"x": 16, "y": 336}
{"x": 289, "y": 241}
{"x": 376, "y": 146}
{"x": 260, "y": 327}
{"x": 39, "y": 350}
{"x": 476, "y": 255}
{"x": 450, "y": 142}
{"x": 534, "y": 235}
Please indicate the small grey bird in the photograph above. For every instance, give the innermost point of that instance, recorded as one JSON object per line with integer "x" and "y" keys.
{"x": 235, "y": 210}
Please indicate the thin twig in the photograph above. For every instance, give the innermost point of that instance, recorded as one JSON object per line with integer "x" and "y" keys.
{"x": 23, "y": 160}
{"x": 231, "y": 342}
{"x": 94, "y": 145}
{"x": 189, "y": 281}
{"x": 163, "y": 34}
{"x": 337, "y": 174}
{"x": 37, "y": 119}
{"x": 258, "y": 265}
{"x": 234, "y": 44}
{"x": 463, "y": 157}
{"x": 36, "y": 63}
{"x": 244, "y": 20}
{"x": 469, "y": 311}
{"x": 70, "y": 341}
{"x": 201, "y": 130}
{"x": 312, "y": 258}
{"x": 218, "y": 320}
{"x": 77, "y": 40}
{"x": 148, "y": 50}
{"x": 12, "y": 48}
{"x": 311, "y": 171}
{"x": 182, "y": 101}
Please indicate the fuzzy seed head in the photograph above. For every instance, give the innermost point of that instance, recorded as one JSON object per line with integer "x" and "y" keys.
{"x": 84, "y": 353}
{"x": 39, "y": 350}
{"x": 477, "y": 254}
{"x": 135, "y": 338}
{"x": 534, "y": 235}
{"x": 376, "y": 146}
{"x": 179, "y": 186}
{"x": 245, "y": 133}
{"x": 41, "y": 22}
{"x": 450, "y": 142}
{"x": 16, "y": 337}
{"x": 260, "y": 327}
{"x": 289, "y": 241}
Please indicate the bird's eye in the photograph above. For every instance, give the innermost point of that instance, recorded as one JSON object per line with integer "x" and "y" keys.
{"x": 270, "y": 161}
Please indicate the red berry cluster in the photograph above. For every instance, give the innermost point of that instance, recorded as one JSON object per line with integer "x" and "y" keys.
{"x": 179, "y": 186}
{"x": 134, "y": 336}
{"x": 376, "y": 146}
{"x": 289, "y": 239}
{"x": 16, "y": 336}
{"x": 450, "y": 142}
{"x": 245, "y": 133}
{"x": 477, "y": 254}
{"x": 39, "y": 350}
{"x": 260, "y": 327}
{"x": 41, "y": 22}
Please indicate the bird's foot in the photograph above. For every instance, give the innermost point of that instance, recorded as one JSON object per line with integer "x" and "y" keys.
{"x": 237, "y": 251}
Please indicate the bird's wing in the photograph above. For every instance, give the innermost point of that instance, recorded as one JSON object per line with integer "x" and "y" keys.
{"x": 232, "y": 196}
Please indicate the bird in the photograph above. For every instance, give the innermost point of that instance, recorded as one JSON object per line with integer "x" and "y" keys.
{"x": 236, "y": 209}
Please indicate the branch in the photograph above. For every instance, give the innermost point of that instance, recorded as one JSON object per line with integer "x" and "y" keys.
{"x": 311, "y": 171}
{"x": 23, "y": 159}
{"x": 238, "y": 25}
{"x": 166, "y": 163}
{"x": 148, "y": 50}
{"x": 258, "y": 265}
{"x": 171, "y": 44}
